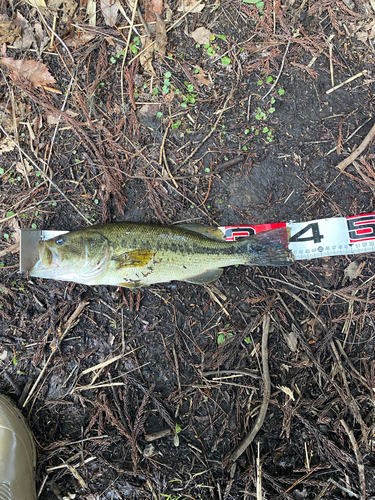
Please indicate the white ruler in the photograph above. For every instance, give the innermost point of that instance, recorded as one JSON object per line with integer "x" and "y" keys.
{"x": 319, "y": 238}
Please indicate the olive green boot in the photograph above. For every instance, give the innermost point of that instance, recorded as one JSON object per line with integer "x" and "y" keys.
{"x": 17, "y": 454}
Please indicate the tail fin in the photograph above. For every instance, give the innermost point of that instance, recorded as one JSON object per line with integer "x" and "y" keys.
{"x": 270, "y": 248}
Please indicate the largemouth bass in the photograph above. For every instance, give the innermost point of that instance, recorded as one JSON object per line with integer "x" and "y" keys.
{"x": 133, "y": 254}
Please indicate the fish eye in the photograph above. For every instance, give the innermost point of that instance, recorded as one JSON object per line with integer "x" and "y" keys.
{"x": 60, "y": 241}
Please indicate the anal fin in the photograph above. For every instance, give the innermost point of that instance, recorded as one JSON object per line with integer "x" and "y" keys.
{"x": 206, "y": 277}
{"x": 133, "y": 286}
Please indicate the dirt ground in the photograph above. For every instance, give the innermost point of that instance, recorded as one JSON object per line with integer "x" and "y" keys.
{"x": 147, "y": 395}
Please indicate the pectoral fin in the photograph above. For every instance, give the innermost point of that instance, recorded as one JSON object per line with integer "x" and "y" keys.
{"x": 134, "y": 258}
{"x": 206, "y": 277}
{"x": 209, "y": 231}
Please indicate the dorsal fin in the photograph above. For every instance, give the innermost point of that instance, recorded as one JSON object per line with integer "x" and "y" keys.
{"x": 209, "y": 231}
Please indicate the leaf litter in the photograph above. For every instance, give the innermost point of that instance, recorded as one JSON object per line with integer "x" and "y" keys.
{"x": 28, "y": 70}
{"x": 119, "y": 144}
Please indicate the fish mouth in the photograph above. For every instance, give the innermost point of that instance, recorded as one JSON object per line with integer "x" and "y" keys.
{"x": 49, "y": 260}
{"x": 49, "y": 257}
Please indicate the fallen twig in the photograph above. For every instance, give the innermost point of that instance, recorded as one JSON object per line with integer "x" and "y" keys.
{"x": 361, "y": 468}
{"x": 366, "y": 141}
{"x": 281, "y": 70}
{"x": 266, "y": 394}
{"x": 347, "y": 81}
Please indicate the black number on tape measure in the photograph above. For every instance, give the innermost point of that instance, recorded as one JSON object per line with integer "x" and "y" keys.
{"x": 316, "y": 236}
{"x": 361, "y": 227}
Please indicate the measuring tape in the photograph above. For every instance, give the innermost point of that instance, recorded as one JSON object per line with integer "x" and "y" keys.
{"x": 318, "y": 238}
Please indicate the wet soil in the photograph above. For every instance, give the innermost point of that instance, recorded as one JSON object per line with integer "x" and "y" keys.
{"x": 135, "y": 394}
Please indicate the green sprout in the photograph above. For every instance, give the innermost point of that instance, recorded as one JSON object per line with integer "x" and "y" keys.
{"x": 224, "y": 335}
{"x": 134, "y": 47}
{"x": 257, "y": 3}
{"x": 225, "y": 61}
{"x": 176, "y": 440}
{"x": 260, "y": 115}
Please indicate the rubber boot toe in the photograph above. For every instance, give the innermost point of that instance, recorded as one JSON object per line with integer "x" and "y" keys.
{"x": 17, "y": 454}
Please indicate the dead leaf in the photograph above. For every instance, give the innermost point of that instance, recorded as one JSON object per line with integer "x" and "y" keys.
{"x": 39, "y": 3}
{"x": 110, "y": 11}
{"x": 291, "y": 340}
{"x": 146, "y": 57}
{"x": 82, "y": 36}
{"x": 20, "y": 21}
{"x": 23, "y": 167}
{"x": 287, "y": 391}
{"x": 186, "y": 5}
{"x": 11, "y": 249}
{"x": 362, "y": 36}
{"x": 201, "y": 35}
{"x": 27, "y": 69}
{"x": 160, "y": 36}
{"x": 53, "y": 118}
{"x": 27, "y": 39}
{"x": 351, "y": 271}
{"x": 91, "y": 12}
{"x": 201, "y": 77}
{"x": 152, "y": 8}
{"x": 6, "y": 145}
{"x": 9, "y": 32}
{"x": 6, "y": 117}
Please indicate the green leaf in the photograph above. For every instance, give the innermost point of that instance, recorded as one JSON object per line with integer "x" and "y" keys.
{"x": 260, "y": 5}
{"x": 250, "y": 1}
{"x": 167, "y": 74}
{"x": 225, "y": 61}
{"x": 260, "y": 82}
{"x": 220, "y": 338}
{"x": 222, "y": 37}
{"x": 210, "y": 51}
{"x": 159, "y": 114}
{"x": 269, "y": 79}
{"x": 9, "y": 214}
{"x": 113, "y": 60}
{"x": 265, "y": 130}
{"x": 244, "y": 148}
{"x": 247, "y": 340}
{"x": 177, "y": 429}
{"x": 281, "y": 91}
{"x": 272, "y": 110}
